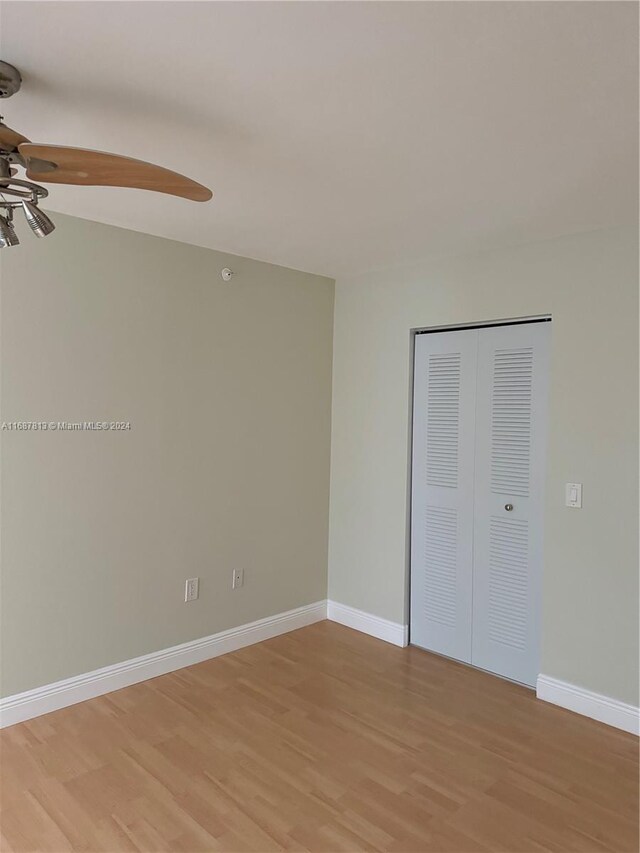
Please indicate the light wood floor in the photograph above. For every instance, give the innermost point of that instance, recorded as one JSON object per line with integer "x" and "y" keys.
{"x": 321, "y": 740}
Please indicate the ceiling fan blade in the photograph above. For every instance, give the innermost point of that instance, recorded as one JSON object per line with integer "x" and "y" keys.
{"x": 10, "y": 139}
{"x": 57, "y": 164}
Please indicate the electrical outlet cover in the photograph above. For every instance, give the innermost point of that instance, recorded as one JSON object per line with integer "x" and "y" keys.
{"x": 191, "y": 589}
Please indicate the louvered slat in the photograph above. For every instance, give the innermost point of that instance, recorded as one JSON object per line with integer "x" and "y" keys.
{"x": 440, "y": 550}
{"x": 508, "y": 581}
{"x": 511, "y": 421}
{"x": 443, "y": 414}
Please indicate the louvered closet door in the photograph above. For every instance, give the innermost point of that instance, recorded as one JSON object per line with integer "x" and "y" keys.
{"x": 510, "y": 455}
{"x": 442, "y": 492}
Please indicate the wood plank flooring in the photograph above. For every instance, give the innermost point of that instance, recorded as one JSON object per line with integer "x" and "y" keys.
{"x": 320, "y": 740}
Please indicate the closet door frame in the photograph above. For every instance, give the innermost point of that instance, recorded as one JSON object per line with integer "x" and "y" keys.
{"x": 414, "y": 333}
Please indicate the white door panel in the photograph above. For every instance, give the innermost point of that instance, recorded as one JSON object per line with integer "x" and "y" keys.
{"x": 509, "y": 482}
{"x": 442, "y": 492}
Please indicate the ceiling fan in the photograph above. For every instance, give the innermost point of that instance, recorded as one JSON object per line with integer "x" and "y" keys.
{"x": 56, "y": 164}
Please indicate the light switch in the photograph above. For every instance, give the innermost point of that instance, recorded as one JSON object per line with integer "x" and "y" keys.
{"x": 573, "y": 495}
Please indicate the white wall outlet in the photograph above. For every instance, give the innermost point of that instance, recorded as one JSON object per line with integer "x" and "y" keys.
{"x": 573, "y": 495}
{"x": 237, "y": 579}
{"x": 191, "y": 589}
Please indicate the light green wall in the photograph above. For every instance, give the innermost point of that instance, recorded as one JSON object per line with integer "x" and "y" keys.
{"x": 228, "y": 390}
{"x": 589, "y": 282}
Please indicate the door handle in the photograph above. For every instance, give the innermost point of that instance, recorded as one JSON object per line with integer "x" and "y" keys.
{"x": 508, "y": 507}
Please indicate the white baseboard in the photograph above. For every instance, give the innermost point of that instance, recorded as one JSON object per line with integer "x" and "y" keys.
{"x": 383, "y": 629}
{"x": 51, "y": 697}
{"x": 589, "y": 704}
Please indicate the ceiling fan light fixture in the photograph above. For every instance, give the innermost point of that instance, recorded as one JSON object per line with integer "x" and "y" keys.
{"x": 58, "y": 164}
{"x": 38, "y": 221}
{"x": 8, "y": 236}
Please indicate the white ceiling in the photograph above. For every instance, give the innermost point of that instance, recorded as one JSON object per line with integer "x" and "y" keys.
{"x": 341, "y": 136}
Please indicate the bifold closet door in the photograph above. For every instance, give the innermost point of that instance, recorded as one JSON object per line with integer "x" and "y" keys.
{"x": 509, "y": 483}
{"x": 444, "y": 405}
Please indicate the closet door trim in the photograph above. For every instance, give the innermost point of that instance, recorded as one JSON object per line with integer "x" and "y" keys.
{"x": 481, "y": 324}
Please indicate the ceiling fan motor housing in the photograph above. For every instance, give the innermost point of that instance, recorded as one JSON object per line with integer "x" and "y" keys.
{"x": 10, "y": 80}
